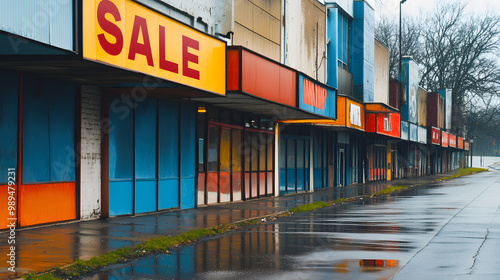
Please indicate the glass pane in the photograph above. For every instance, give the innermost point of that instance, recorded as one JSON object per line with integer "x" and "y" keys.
{"x": 255, "y": 152}
{"x": 213, "y": 141}
{"x": 225, "y": 150}
{"x": 262, "y": 151}
{"x": 236, "y": 149}
{"x": 270, "y": 152}
{"x": 291, "y": 152}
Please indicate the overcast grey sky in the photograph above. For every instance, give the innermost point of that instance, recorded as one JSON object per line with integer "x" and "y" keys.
{"x": 413, "y": 7}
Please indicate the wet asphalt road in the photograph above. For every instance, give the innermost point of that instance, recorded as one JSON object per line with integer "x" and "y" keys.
{"x": 449, "y": 230}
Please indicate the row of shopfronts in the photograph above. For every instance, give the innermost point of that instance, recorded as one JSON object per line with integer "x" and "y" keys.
{"x": 137, "y": 124}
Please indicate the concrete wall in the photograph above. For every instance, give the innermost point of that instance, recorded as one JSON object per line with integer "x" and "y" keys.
{"x": 381, "y": 73}
{"x": 304, "y": 37}
{"x": 90, "y": 164}
{"x": 257, "y": 26}
{"x": 210, "y": 16}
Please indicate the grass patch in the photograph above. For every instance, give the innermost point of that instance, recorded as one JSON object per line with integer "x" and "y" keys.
{"x": 463, "y": 172}
{"x": 309, "y": 207}
{"x": 390, "y": 190}
{"x": 152, "y": 246}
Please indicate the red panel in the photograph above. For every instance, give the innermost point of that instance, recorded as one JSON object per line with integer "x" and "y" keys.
{"x": 4, "y": 212}
{"x": 268, "y": 80}
{"x": 436, "y": 136}
{"x": 254, "y": 184}
{"x": 466, "y": 145}
{"x": 236, "y": 185}
{"x": 395, "y": 120}
{"x": 225, "y": 182}
{"x": 460, "y": 143}
{"x": 452, "y": 140}
{"x": 233, "y": 70}
{"x": 370, "y": 123}
{"x": 262, "y": 183}
{"x": 201, "y": 181}
{"x": 247, "y": 184}
{"x": 46, "y": 203}
{"x": 432, "y": 109}
{"x": 212, "y": 182}
{"x": 270, "y": 179}
{"x": 444, "y": 139}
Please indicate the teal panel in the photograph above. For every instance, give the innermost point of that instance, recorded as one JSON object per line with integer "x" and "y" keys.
{"x": 121, "y": 199}
{"x": 36, "y": 154}
{"x": 169, "y": 139}
{"x": 145, "y": 135}
{"x": 145, "y": 196}
{"x": 168, "y": 193}
{"x": 188, "y": 155}
{"x": 61, "y": 130}
{"x": 9, "y": 99}
{"x": 121, "y": 141}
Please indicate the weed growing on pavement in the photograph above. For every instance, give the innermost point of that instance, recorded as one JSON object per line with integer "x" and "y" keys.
{"x": 152, "y": 246}
{"x": 309, "y": 207}
{"x": 390, "y": 190}
{"x": 463, "y": 172}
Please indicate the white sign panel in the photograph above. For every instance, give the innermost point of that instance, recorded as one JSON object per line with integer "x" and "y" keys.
{"x": 355, "y": 114}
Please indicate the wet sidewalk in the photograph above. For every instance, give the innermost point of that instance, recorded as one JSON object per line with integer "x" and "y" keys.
{"x": 45, "y": 247}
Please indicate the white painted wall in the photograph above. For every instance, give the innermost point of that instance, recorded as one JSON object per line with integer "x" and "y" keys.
{"x": 210, "y": 16}
{"x": 90, "y": 162}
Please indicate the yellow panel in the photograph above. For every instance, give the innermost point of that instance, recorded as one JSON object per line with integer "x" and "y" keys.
{"x": 127, "y": 35}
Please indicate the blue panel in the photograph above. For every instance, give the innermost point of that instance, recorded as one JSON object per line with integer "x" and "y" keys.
{"x": 121, "y": 198}
{"x": 326, "y": 108}
{"x": 61, "y": 130}
{"x": 121, "y": 149}
{"x": 318, "y": 178}
{"x": 300, "y": 179}
{"x": 332, "y": 55}
{"x": 35, "y": 133}
{"x": 9, "y": 95}
{"x": 363, "y": 52}
{"x": 291, "y": 179}
{"x": 187, "y": 193}
{"x": 168, "y": 193}
{"x": 168, "y": 266}
{"x": 187, "y": 263}
{"x": 282, "y": 163}
{"x": 169, "y": 139}
{"x": 145, "y": 196}
{"x": 50, "y": 21}
{"x": 145, "y": 135}
{"x": 188, "y": 156}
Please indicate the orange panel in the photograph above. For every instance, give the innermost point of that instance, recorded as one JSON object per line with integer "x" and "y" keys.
{"x": 4, "y": 212}
{"x": 225, "y": 182}
{"x": 212, "y": 181}
{"x": 254, "y": 184}
{"x": 201, "y": 181}
{"x": 233, "y": 70}
{"x": 262, "y": 183}
{"x": 247, "y": 184}
{"x": 236, "y": 182}
{"x": 46, "y": 203}
{"x": 270, "y": 178}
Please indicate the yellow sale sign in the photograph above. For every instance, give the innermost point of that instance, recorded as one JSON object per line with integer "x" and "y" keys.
{"x": 128, "y": 35}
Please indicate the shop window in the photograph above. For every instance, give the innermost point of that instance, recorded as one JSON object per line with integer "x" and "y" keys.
{"x": 48, "y": 132}
{"x": 344, "y": 26}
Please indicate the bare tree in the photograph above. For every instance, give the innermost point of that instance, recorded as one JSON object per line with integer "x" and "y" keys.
{"x": 387, "y": 32}
{"x": 455, "y": 50}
